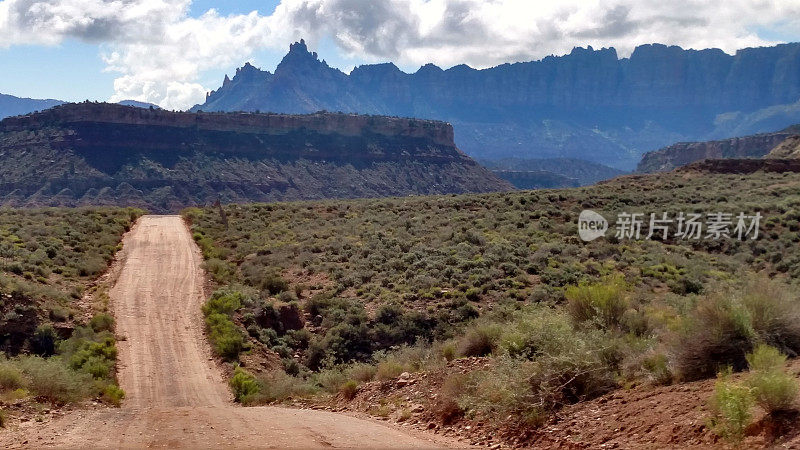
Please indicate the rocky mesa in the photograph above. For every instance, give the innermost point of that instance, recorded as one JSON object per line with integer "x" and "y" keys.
{"x": 107, "y": 154}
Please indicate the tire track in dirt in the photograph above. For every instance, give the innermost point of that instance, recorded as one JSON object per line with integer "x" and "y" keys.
{"x": 175, "y": 395}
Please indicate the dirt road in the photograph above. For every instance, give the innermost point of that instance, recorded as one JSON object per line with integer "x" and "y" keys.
{"x": 176, "y": 396}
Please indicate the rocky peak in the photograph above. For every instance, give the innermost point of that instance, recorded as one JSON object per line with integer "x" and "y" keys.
{"x": 247, "y": 71}
{"x": 299, "y": 58}
{"x": 429, "y": 68}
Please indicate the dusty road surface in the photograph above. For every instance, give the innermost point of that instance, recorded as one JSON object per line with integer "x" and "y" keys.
{"x": 176, "y": 396}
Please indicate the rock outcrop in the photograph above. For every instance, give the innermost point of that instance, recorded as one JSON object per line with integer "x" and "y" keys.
{"x": 590, "y": 104}
{"x": 788, "y": 149}
{"x": 673, "y": 156}
{"x": 105, "y": 154}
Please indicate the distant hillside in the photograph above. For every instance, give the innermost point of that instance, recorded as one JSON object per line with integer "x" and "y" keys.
{"x": 13, "y": 106}
{"x": 88, "y": 153}
{"x": 589, "y": 105}
{"x": 680, "y": 154}
{"x": 575, "y": 171}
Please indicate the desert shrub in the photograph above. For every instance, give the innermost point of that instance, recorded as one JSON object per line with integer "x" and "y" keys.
{"x": 448, "y": 350}
{"x": 10, "y": 376}
{"x": 395, "y": 326}
{"x": 774, "y": 389}
{"x": 725, "y": 326}
{"x": 206, "y": 245}
{"x": 349, "y": 389}
{"x": 96, "y": 355}
{"x": 774, "y": 312}
{"x": 274, "y": 283}
{"x": 651, "y": 366}
{"x": 719, "y": 333}
{"x": 58, "y": 314}
{"x": 604, "y": 302}
{"x": 549, "y": 362}
{"x": 506, "y": 390}
{"x": 221, "y": 271}
{"x": 102, "y": 322}
{"x": 52, "y": 380}
{"x": 226, "y": 338}
{"x": 223, "y": 301}
{"x": 113, "y": 394}
{"x": 277, "y": 386}
{"x": 343, "y": 343}
{"x": 478, "y": 340}
{"x": 731, "y": 406}
{"x": 92, "y": 265}
{"x": 244, "y": 385}
{"x": 388, "y": 370}
{"x": 330, "y": 380}
{"x": 445, "y": 406}
{"x": 44, "y": 340}
{"x": 361, "y": 372}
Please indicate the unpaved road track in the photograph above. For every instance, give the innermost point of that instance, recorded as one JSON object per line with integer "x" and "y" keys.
{"x": 176, "y": 396}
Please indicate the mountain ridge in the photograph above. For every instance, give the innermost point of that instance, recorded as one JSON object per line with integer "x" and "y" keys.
{"x": 556, "y": 107}
{"x": 12, "y": 106}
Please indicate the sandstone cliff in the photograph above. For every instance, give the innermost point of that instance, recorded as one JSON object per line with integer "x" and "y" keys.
{"x": 90, "y": 153}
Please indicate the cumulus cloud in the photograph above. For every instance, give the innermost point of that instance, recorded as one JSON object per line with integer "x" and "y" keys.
{"x": 159, "y": 51}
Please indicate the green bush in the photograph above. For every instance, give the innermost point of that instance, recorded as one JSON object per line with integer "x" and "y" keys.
{"x": 731, "y": 406}
{"x": 102, "y": 322}
{"x": 604, "y": 302}
{"x": 223, "y": 301}
{"x": 245, "y": 386}
{"x": 226, "y": 338}
{"x": 113, "y": 394}
{"x": 53, "y": 381}
{"x": 774, "y": 389}
{"x": 10, "y": 376}
{"x": 95, "y": 358}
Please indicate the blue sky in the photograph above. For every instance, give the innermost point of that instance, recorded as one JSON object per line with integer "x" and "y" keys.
{"x": 171, "y": 52}
{"x": 73, "y": 70}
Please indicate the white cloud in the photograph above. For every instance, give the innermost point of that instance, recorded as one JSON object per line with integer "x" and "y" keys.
{"x": 160, "y": 52}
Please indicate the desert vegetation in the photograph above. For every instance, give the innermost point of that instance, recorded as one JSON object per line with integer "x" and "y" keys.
{"x": 348, "y": 293}
{"x": 55, "y": 347}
